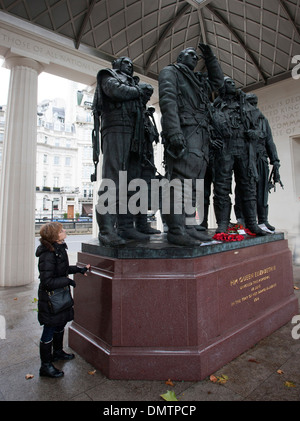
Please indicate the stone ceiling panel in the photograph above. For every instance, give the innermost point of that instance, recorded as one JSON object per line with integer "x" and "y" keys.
{"x": 255, "y": 40}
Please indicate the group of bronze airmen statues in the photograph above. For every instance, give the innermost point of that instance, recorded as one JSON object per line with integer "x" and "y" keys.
{"x": 210, "y": 130}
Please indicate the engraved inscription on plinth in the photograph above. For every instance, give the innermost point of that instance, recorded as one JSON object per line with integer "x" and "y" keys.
{"x": 253, "y": 285}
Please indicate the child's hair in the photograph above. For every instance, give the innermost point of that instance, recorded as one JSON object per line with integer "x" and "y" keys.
{"x": 49, "y": 234}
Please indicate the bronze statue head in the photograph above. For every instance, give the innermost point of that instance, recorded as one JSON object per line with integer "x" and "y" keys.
{"x": 252, "y": 99}
{"x": 229, "y": 88}
{"x": 124, "y": 65}
{"x": 147, "y": 91}
{"x": 188, "y": 57}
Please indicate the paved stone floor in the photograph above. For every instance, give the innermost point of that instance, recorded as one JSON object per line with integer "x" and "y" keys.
{"x": 253, "y": 376}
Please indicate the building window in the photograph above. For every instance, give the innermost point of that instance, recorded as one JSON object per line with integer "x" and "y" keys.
{"x": 55, "y": 181}
{"x": 67, "y": 182}
{"x": 56, "y": 160}
{"x": 87, "y": 152}
{"x": 68, "y": 161}
{"x": 87, "y": 170}
{"x": 45, "y": 159}
{"x": 88, "y": 192}
{"x": 87, "y": 134}
{"x": 46, "y": 201}
{"x": 55, "y": 203}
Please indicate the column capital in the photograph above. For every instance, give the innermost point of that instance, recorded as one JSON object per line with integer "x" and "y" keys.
{"x": 14, "y": 60}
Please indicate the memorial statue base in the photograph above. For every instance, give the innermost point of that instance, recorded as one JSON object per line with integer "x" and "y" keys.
{"x": 179, "y": 313}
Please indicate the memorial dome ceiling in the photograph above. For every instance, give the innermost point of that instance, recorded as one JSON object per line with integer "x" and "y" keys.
{"x": 254, "y": 40}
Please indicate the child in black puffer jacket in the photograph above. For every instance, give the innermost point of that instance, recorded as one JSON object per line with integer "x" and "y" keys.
{"x": 54, "y": 269}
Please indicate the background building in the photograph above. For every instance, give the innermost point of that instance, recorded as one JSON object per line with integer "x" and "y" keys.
{"x": 64, "y": 155}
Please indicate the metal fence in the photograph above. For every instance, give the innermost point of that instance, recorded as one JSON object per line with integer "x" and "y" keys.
{"x": 72, "y": 226}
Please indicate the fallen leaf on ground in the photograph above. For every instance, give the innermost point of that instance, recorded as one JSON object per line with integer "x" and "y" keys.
{"x": 29, "y": 376}
{"x": 15, "y": 298}
{"x": 219, "y": 379}
{"x": 253, "y": 360}
{"x": 289, "y": 384}
{"x": 169, "y": 396}
{"x": 169, "y": 382}
{"x": 296, "y": 287}
{"x": 92, "y": 372}
{"x": 280, "y": 372}
{"x": 223, "y": 379}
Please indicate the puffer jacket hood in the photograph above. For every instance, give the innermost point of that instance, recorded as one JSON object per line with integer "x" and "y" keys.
{"x": 40, "y": 250}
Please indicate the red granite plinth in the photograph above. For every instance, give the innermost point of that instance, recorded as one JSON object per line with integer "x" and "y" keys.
{"x": 183, "y": 319}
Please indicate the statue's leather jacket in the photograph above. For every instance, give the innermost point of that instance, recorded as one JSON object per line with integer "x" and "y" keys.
{"x": 228, "y": 121}
{"x": 265, "y": 146}
{"x": 120, "y": 98}
{"x": 185, "y": 95}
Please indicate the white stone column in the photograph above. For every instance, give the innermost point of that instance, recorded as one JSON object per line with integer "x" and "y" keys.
{"x": 17, "y": 188}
